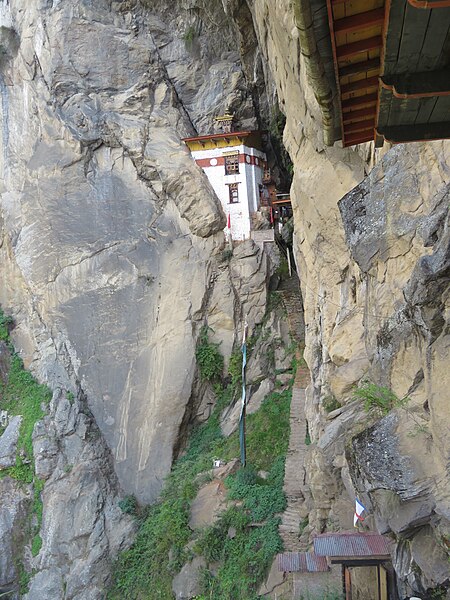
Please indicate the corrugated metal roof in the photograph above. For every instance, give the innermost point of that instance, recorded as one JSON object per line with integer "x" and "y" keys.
{"x": 351, "y": 544}
{"x": 301, "y": 562}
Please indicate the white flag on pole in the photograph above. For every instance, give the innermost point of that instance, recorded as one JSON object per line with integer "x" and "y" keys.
{"x": 359, "y": 509}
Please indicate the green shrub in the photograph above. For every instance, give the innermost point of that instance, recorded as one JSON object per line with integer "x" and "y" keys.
{"x": 5, "y": 324}
{"x": 36, "y": 545}
{"x": 209, "y": 359}
{"x": 244, "y": 559}
{"x": 227, "y": 254}
{"x": 235, "y": 368}
{"x": 22, "y": 395}
{"x": 262, "y": 498}
{"x": 283, "y": 268}
{"x": 128, "y": 505}
{"x": 190, "y": 34}
{"x": 330, "y": 403}
{"x": 381, "y": 398}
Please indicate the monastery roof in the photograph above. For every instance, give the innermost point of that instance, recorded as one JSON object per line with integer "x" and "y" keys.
{"x": 212, "y": 136}
{"x": 253, "y": 139}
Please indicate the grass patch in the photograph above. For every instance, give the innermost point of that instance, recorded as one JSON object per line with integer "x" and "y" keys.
{"x": 245, "y": 557}
{"x": 5, "y": 324}
{"x": 378, "y": 397}
{"x": 146, "y": 570}
{"x": 22, "y": 395}
{"x": 36, "y": 545}
{"x": 235, "y": 368}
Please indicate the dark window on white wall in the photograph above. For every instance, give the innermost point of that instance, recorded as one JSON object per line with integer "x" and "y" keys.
{"x": 234, "y": 194}
{"x": 232, "y": 164}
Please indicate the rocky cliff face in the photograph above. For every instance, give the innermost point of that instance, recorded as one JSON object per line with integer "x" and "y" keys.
{"x": 374, "y": 269}
{"x": 111, "y": 251}
{"x": 111, "y": 261}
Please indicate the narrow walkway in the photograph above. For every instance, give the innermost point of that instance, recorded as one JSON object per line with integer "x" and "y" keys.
{"x": 294, "y": 517}
{"x": 294, "y": 479}
{"x": 293, "y": 303}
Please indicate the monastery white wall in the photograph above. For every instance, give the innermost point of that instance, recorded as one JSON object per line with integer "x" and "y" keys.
{"x": 248, "y": 180}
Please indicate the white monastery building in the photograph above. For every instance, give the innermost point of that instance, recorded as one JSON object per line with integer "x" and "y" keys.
{"x": 234, "y": 163}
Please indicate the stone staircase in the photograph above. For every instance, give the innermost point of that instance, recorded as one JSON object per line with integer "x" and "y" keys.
{"x": 294, "y": 479}
{"x": 293, "y": 303}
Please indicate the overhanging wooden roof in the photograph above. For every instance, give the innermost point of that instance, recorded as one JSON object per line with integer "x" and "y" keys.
{"x": 250, "y": 138}
{"x": 356, "y": 28}
{"x": 392, "y": 67}
{"x": 414, "y": 95}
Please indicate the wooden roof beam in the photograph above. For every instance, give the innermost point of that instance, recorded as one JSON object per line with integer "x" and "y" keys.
{"x": 358, "y": 138}
{"x": 398, "y": 134}
{"x": 418, "y": 85}
{"x": 359, "y": 21}
{"x": 361, "y": 84}
{"x": 353, "y": 48}
{"x": 430, "y": 3}
{"x": 359, "y": 101}
{"x": 359, "y": 126}
{"x": 359, "y": 67}
{"x": 359, "y": 114}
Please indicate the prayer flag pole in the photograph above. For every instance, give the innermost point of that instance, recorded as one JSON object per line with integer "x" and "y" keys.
{"x": 244, "y": 398}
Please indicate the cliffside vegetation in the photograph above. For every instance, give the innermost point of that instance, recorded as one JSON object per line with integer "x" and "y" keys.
{"x": 21, "y": 395}
{"x": 238, "y": 547}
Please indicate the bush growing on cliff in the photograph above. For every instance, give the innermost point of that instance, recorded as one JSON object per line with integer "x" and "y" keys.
{"x": 378, "y": 397}
{"x": 330, "y": 403}
{"x": 209, "y": 359}
{"x": 5, "y": 324}
{"x": 235, "y": 368}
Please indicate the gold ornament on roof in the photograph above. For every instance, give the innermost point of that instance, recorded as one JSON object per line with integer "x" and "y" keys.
{"x": 225, "y": 122}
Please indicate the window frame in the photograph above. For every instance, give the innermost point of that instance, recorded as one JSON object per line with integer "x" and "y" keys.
{"x": 231, "y": 167}
{"x": 233, "y": 193}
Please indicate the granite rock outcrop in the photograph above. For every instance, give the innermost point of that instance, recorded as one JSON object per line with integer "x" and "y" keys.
{"x": 111, "y": 261}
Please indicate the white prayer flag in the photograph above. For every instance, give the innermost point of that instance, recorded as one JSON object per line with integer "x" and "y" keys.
{"x": 359, "y": 509}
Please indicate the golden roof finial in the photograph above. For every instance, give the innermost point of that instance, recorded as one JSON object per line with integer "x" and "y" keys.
{"x": 225, "y": 122}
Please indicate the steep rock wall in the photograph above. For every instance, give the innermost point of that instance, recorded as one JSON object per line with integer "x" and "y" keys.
{"x": 109, "y": 227}
{"x": 374, "y": 276}
{"x": 111, "y": 245}
{"x": 111, "y": 252}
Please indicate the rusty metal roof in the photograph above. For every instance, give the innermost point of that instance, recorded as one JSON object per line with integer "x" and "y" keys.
{"x": 302, "y": 562}
{"x": 351, "y": 545}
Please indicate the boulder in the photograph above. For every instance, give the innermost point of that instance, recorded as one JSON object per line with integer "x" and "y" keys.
{"x": 8, "y": 443}
{"x": 186, "y": 584}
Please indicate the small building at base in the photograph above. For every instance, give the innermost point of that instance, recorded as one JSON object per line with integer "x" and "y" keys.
{"x": 234, "y": 163}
